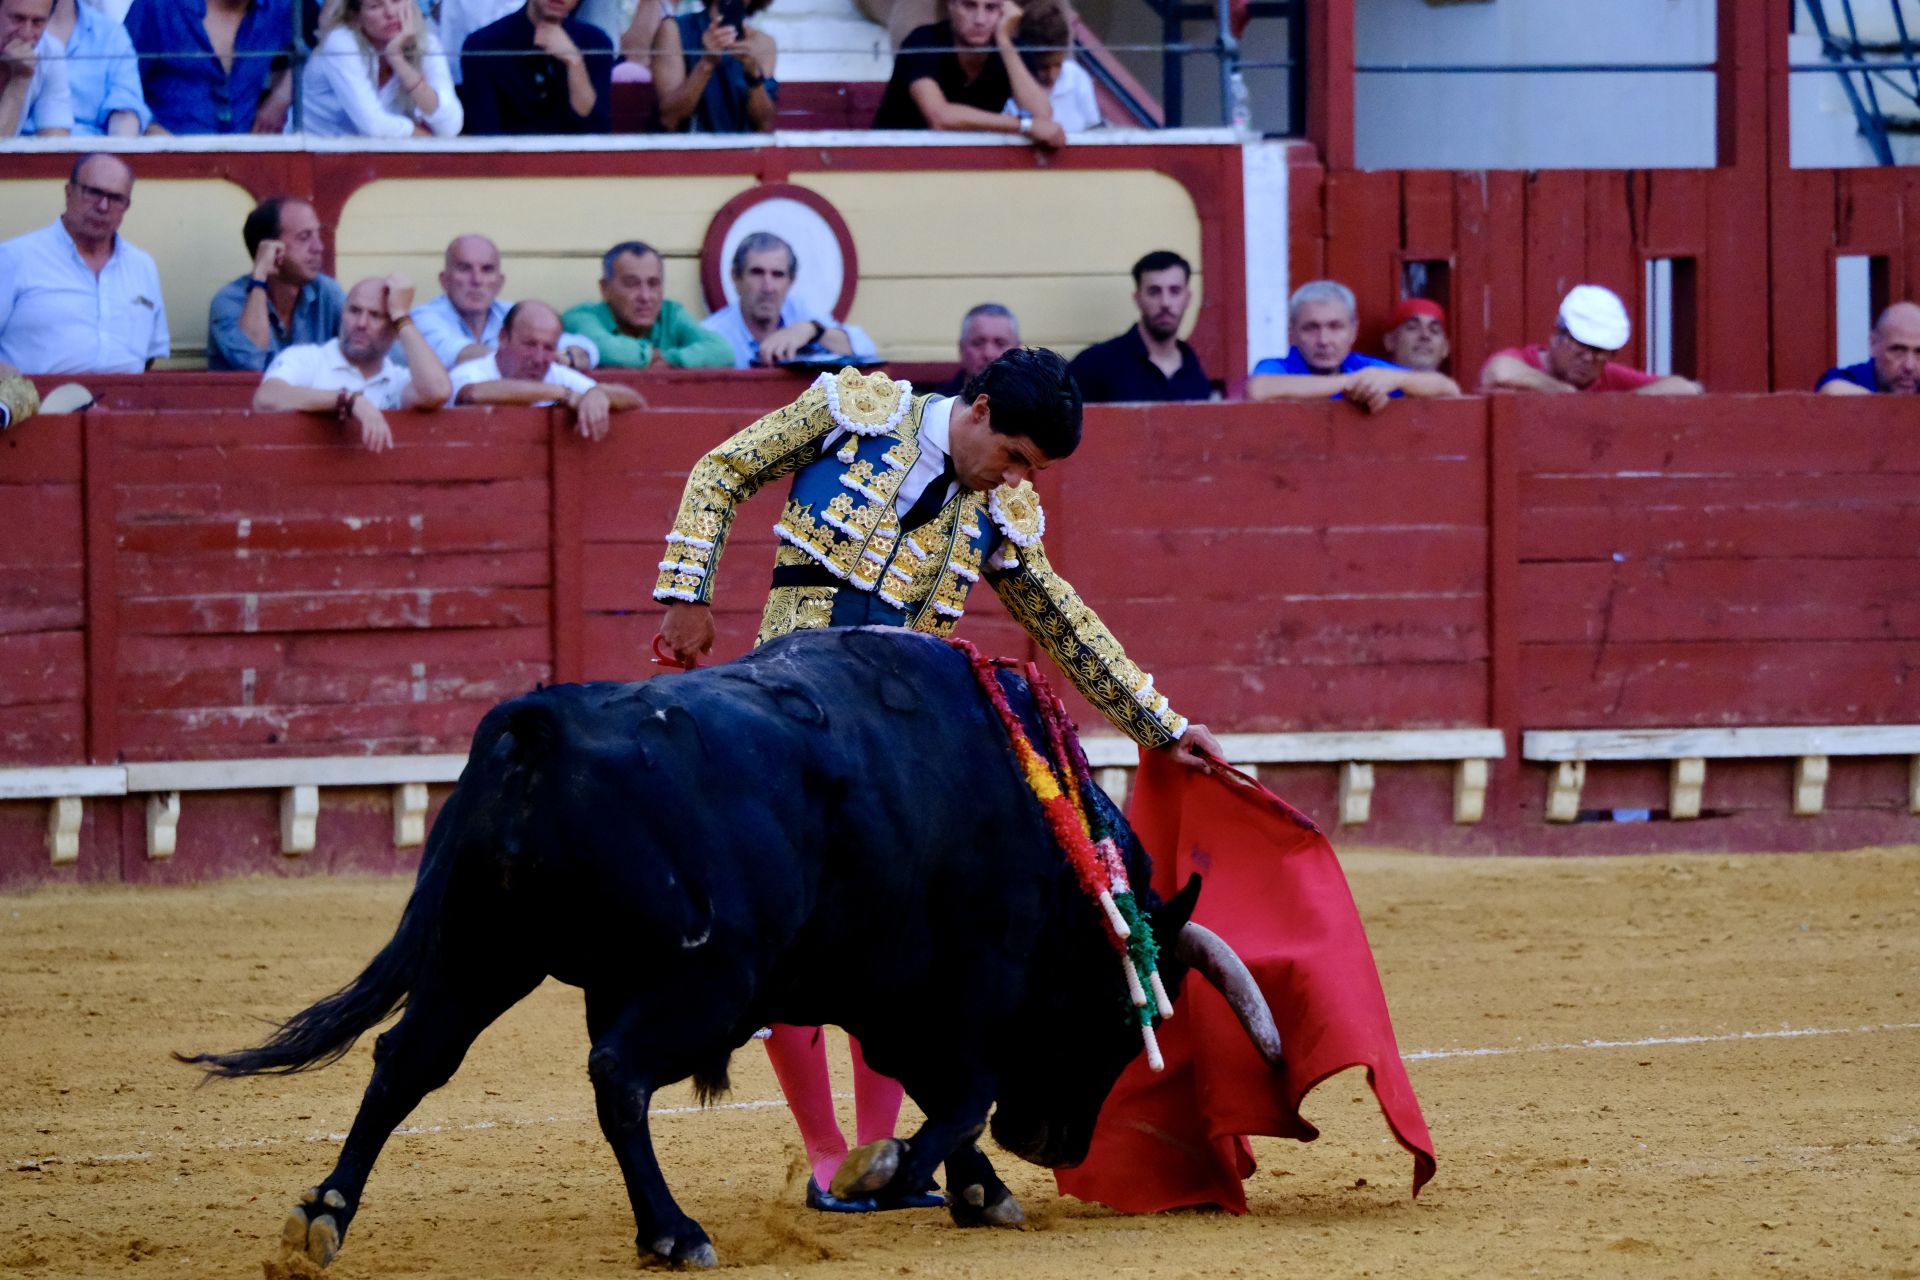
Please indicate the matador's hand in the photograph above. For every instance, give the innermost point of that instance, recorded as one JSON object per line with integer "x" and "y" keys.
{"x": 688, "y": 631}
{"x": 1195, "y": 747}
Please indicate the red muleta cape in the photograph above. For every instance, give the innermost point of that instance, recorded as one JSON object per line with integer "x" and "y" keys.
{"x": 1272, "y": 887}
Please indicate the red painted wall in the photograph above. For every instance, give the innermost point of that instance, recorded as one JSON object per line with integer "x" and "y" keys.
{"x": 225, "y": 584}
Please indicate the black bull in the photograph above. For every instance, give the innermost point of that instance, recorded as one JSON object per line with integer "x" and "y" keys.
{"x": 831, "y": 830}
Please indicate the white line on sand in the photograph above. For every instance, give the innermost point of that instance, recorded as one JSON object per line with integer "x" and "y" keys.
{"x": 760, "y": 1104}
{"x": 1785, "y": 1033}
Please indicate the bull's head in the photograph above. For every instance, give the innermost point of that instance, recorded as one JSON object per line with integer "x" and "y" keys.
{"x": 1080, "y": 1033}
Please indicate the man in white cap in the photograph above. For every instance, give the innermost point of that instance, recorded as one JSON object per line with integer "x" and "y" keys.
{"x": 1591, "y": 327}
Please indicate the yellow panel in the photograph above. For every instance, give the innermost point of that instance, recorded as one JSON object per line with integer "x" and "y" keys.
{"x": 191, "y": 226}
{"x": 554, "y": 217}
{"x": 920, "y": 319}
{"x": 986, "y": 225}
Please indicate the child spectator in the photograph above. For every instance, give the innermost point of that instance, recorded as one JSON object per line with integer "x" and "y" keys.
{"x": 1045, "y": 37}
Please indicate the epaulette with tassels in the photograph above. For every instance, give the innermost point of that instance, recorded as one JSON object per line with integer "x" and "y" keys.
{"x": 1085, "y": 836}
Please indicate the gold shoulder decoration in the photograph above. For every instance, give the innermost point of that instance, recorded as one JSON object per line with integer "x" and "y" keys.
{"x": 1016, "y": 512}
{"x": 867, "y": 404}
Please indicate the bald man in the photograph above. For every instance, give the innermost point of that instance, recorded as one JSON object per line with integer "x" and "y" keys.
{"x": 526, "y": 370}
{"x": 1893, "y": 363}
{"x": 463, "y": 323}
{"x": 353, "y": 377}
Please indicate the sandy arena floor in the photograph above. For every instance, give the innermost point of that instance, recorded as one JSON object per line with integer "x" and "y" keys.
{"x": 1679, "y": 1066}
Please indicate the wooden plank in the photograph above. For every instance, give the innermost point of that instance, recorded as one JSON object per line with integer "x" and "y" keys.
{"x": 42, "y": 598}
{"x": 215, "y": 573}
{"x": 1363, "y": 239}
{"x": 1287, "y": 565}
{"x": 42, "y": 666}
{"x": 53, "y": 512}
{"x": 1727, "y": 600}
{"x": 1427, "y": 197}
{"x": 337, "y": 611}
{"x": 568, "y": 462}
{"x": 313, "y": 771}
{"x": 1555, "y": 248}
{"x": 1835, "y": 529}
{"x": 1721, "y": 743}
{"x": 1793, "y": 496}
{"x": 1686, "y": 435}
{"x": 1703, "y": 684}
{"x": 402, "y": 682}
{"x": 102, "y": 661}
{"x": 1615, "y": 204}
{"x": 50, "y": 454}
{"x": 62, "y": 780}
{"x": 1504, "y": 601}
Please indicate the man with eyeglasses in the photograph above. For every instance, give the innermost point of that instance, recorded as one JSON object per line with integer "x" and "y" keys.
{"x": 76, "y": 296}
{"x": 1591, "y": 328}
{"x": 33, "y": 74}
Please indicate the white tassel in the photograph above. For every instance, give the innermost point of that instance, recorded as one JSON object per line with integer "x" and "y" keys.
{"x": 1114, "y": 918}
{"x": 1134, "y": 990}
{"x": 1160, "y": 995}
{"x": 1154, "y": 1061}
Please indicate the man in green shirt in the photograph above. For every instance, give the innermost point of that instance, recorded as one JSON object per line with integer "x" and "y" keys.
{"x": 636, "y": 326}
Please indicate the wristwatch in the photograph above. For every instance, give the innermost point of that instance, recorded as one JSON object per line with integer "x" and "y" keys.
{"x": 255, "y": 283}
{"x": 1026, "y": 125}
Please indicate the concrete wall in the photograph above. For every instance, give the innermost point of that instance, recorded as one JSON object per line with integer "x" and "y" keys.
{"x": 1534, "y": 121}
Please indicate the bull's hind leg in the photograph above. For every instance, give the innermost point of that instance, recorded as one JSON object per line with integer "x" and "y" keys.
{"x": 412, "y": 1059}
{"x": 627, "y": 1063}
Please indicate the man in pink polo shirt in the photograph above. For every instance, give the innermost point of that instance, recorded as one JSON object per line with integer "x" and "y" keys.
{"x": 1591, "y": 327}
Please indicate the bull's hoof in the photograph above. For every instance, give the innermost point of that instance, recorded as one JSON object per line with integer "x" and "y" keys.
{"x": 867, "y": 1169}
{"x": 977, "y": 1205}
{"x": 317, "y": 1240}
{"x": 691, "y": 1251}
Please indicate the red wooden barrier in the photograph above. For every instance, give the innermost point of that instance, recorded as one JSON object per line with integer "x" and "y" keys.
{"x": 209, "y": 585}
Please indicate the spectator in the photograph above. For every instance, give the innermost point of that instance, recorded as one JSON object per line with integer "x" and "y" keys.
{"x": 1322, "y": 364}
{"x": 33, "y": 76}
{"x": 1045, "y": 37}
{"x": 284, "y": 300}
{"x": 934, "y": 88}
{"x": 985, "y": 332}
{"x": 537, "y": 70}
{"x": 1416, "y": 336}
{"x": 103, "y": 76}
{"x": 76, "y": 295}
{"x": 768, "y": 325}
{"x": 1893, "y": 363}
{"x": 237, "y": 77}
{"x": 464, "y": 322}
{"x": 710, "y": 78}
{"x": 461, "y": 18}
{"x": 352, "y": 376}
{"x": 1592, "y": 326}
{"x": 378, "y": 72}
{"x": 1148, "y": 361}
{"x": 636, "y": 326}
{"x": 525, "y": 372}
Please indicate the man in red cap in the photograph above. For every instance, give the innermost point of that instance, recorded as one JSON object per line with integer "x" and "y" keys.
{"x": 1416, "y": 336}
{"x": 1591, "y": 328}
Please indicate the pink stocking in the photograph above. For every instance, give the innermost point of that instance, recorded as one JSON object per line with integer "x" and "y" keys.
{"x": 799, "y": 1057}
{"x": 876, "y": 1099}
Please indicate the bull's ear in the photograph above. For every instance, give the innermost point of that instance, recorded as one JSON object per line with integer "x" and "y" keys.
{"x": 1173, "y": 914}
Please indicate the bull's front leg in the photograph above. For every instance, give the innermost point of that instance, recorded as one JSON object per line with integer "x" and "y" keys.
{"x": 895, "y": 1167}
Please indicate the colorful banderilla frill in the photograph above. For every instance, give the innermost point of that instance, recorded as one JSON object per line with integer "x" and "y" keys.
{"x": 1084, "y": 834}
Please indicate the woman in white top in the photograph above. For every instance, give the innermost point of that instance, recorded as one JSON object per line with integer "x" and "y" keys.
{"x": 379, "y": 72}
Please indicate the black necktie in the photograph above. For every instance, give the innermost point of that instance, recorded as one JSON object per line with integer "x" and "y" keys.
{"x": 931, "y": 499}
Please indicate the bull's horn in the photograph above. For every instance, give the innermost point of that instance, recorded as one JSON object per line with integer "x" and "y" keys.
{"x": 1209, "y": 956}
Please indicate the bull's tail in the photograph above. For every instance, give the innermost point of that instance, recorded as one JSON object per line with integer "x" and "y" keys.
{"x": 323, "y": 1032}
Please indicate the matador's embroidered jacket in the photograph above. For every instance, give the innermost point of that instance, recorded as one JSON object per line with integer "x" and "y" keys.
{"x": 844, "y": 559}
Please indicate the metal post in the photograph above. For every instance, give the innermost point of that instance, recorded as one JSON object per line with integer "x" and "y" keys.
{"x": 1233, "y": 88}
